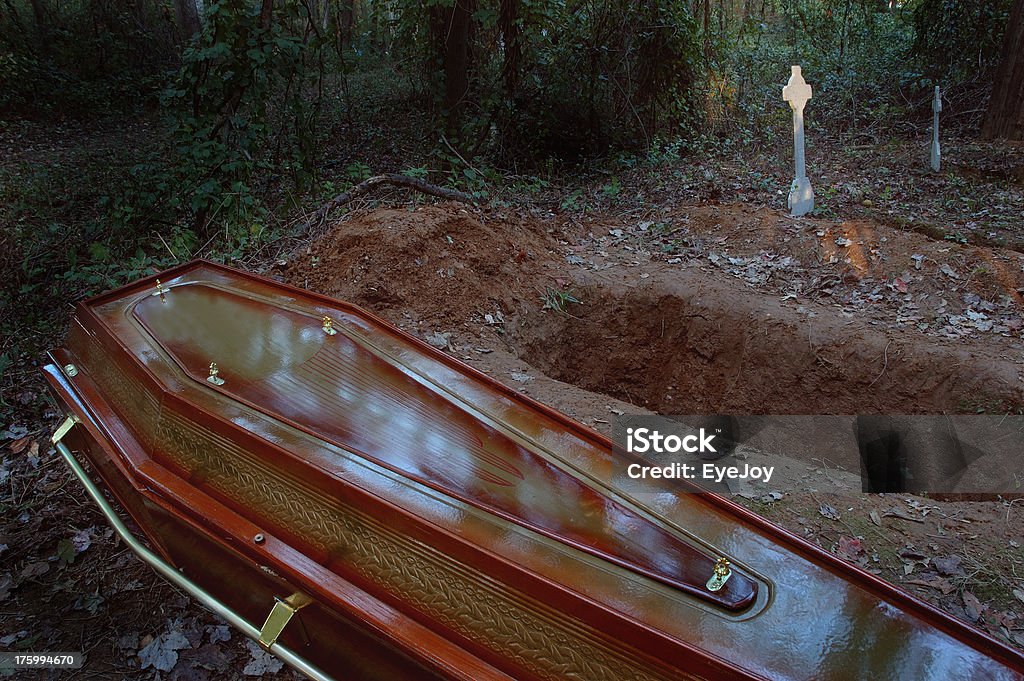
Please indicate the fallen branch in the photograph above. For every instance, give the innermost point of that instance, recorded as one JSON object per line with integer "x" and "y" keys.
{"x": 372, "y": 183}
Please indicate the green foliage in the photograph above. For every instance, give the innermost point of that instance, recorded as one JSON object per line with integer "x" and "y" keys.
{"x": 65, "y": 552}
{"x": 614, "y": 75}
{"x": 958, "y": 39}
{"x": 82, "y": 56}
{"x": 552, "y": 78}
{"x": 240, "y": 109}
{"x": 854, "y": 55}
{"x": 612, "y": 189}
{"x": 558, "y": 300}
{"x": 358, "y": 171}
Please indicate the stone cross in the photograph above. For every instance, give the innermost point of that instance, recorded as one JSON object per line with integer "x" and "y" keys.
{"x": 936, "y": 108}
{"x": 797, "y": 92}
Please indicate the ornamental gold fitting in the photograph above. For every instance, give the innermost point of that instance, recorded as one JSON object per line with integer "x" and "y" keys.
{"x": 213, "y": 377}
{"x": 160, "y": 290}
{"x": 328, "y": 326}
{"x": 720, "y": 576}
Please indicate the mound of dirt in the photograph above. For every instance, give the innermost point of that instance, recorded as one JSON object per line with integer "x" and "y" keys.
{"x": 442, "y": 263}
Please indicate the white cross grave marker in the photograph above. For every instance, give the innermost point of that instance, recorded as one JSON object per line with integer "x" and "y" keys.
{"x": 797, "y": 92}
{"x": 936, "y": 108}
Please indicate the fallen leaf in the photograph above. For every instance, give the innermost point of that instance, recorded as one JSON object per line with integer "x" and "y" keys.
{"x": 211, "y": 656}
{"x": 939, "y": 583}
{"x": 875, "y": 518}
{"x": 6, "y": 584}
{"x": 850, "y": 549}
{"x": 6, "y": 641}
{"x": 973, "y": 606}
{"x": 949, "y": 566}
{"x": 1006, "y": 619}
{"x": 65, "y": 551}
{"x": 82, "y": 540}
{"x": 1019, "y": 594}
{"x": 439, "y": 340}
{"x": 129, "y": 641}
{"x": 89, "y": 602}
{"x": 828, "y": 511}
{"x": 14, "y": 432}
{"x": 261, "y": 662}
{"x": 162, "y": 651}
{"x": 914, "y": 556}
{"x": 187, "y": 672}
{"x": 36, "y": 569}
{"x": 893, "y": 513}
{"x": 219, "y": 632}
{"x": 19, "y": 445}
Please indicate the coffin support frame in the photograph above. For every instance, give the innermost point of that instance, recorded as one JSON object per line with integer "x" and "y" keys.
{"x": 277, "y": 619}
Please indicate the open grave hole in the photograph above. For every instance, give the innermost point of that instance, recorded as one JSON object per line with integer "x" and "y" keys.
{"x": 684, "y": 344}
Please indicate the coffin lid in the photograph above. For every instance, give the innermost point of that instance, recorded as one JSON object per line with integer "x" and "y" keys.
{"x": 344, "y": 389}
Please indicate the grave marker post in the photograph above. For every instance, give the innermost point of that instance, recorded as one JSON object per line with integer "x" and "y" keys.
{"x": 936, "y": 108}
{"x": 801, "y": 195}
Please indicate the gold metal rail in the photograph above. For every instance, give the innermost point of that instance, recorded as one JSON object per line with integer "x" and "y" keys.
{"x": 267, "y": 639}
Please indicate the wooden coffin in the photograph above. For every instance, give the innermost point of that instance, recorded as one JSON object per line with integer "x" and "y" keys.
{"x": 435, "y": 523}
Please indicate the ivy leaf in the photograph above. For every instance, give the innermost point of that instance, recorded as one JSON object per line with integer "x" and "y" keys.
{"x": 66, "y": 551}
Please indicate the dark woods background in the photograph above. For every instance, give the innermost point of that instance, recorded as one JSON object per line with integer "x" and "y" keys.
{"x": 149, "y": 131}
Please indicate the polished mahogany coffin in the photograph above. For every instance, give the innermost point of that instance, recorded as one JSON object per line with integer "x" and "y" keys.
{"x": 385, "y": 511}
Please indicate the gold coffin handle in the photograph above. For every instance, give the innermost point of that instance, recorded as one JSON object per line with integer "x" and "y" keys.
{"x": 279, "y": 617}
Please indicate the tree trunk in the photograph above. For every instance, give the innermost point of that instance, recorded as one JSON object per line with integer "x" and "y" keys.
{"x": 346, "y": 21}
{"x": 1005, "y": 115}
{"x": 707, "y": 31}
{"x": 43, "y": 30}
{"x": 508, "y": 22}
{"x": 456, "y": 63}
{"x": 188, "y": 16}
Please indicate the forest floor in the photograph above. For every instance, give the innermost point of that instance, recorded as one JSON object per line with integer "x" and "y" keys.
{"x": 674, "y": 285}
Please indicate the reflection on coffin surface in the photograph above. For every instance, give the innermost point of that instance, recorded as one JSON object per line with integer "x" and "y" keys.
{"x": 272, "y": 442}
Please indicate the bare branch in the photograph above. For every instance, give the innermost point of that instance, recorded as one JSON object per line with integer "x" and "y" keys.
{"x": 372, "y": 183}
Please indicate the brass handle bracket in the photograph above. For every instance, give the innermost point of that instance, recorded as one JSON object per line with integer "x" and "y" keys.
{"x": 63, "y": 428}
{"x": 279, "y": 617}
